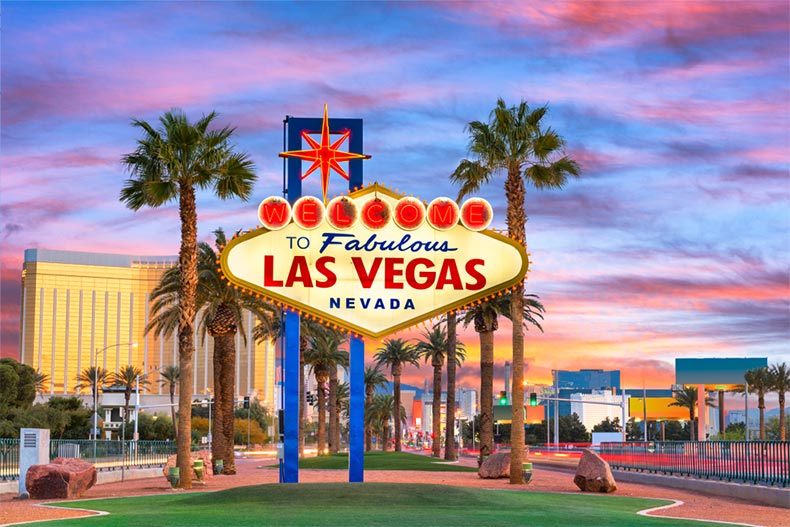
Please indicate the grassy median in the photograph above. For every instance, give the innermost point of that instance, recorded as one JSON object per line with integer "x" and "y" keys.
{"x": 371, "y": 504}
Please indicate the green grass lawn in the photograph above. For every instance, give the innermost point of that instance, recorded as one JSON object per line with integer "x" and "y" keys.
{"x": 370, "y": 504}
{"x": 385, "y": 461}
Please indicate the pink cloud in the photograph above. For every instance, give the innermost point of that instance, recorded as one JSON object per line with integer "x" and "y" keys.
{"x": 584, "y": 23}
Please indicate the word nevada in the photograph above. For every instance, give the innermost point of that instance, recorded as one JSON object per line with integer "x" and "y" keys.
{"x": 374, "y": 262}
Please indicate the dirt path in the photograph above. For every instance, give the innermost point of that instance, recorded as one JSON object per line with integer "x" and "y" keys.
{"x": 545, "y": 479}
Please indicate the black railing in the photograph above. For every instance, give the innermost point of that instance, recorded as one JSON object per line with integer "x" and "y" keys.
{"x": 756, "y": 462}
{"x": 103, "y": 454}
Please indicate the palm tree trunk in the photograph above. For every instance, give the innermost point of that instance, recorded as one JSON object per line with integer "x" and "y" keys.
{"x": 516, "y": 220}
{"x": 334, "y": 434}
{"x": 692, "y": 416}
{"x": 368, "y": 428}
{"x": 385, "y": 437}
{"x": 224, "y": 388}
{"x": 452, "y": 340}
{"x": 172, "y": 387}
{"x": 396, "y": 410}
{"x": 436, "y": 411}
{"x": 187, "y": 259}
{"x": 761, "y": 407}
{"x": 782, "y": 431}
{"x": 486, "y": 393}
{"x": 321, "y": 436}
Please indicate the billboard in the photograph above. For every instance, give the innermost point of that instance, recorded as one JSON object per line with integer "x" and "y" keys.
{"x": 716, "y": 374}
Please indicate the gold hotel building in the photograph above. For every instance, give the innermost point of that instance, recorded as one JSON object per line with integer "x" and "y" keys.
{"x": 80, "y": 307}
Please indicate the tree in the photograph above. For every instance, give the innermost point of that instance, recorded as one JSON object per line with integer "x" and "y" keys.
{"x": 515, "y": 142}
{"x": 687, "y": 398}
{"x": 608, "y": 425}
{"x": 373, "y": 379}
{"x": 343, "y": 407}
{"x": 128, "y": 378}
{"x": 633, "y": 432}
{"x": 396, "y": 353}
{"x": 17, "y": 385}
{"x": 780, "y": 383}
{"x": 759, "y": 380}
{"x": 674, "y": 431}
{"x": 382, "y": 410}
{"x": 170, "y": 163}
{"x": 324, "y": 354}
{"x": 94, "y": 378}
{"x": 42, "y": 381}
{"x": 169, "y": 376}
{"x": 220, "y": 307}
{"x": 257, "y": 413}
{"x": 433, "y": 347}
{"x": 572, "y": 430}
{"x": 773, "y": 432}
{"x": 485, "y": 317}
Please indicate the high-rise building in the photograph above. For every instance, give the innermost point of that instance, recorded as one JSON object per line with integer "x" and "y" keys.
{"x": 81, "y": 309}
{"x": 581, "y": 381}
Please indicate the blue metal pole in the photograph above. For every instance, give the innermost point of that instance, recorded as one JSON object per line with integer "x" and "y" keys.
{"x": 356, "y": 422}
{"x": 291, "y": 406}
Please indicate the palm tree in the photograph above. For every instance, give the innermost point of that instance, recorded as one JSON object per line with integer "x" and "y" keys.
{"x": 433, "y": 347}
{"x": 92, "y": 378}
{"x": 129, "y": 378}
{"x": 373, "y": 379}
{"x": 307, "y": 329}
{"x": 169, "y": 164}
{"x": 220, "y": 307}
{"x": 169, "y": 377}
{"x": 759, "y": 380}
{"x": 485, "y": 317}
{"x": 780, "y": 383}
{"x": 395, "y": 353}
{"x": 42, "y": 381}
{"x": 687, "y": 398}
{"x": 324, "y": 354}
{"x": 342, "y": 402}
{"x": 515, "y": 142}
{"x": 383, "y": 409}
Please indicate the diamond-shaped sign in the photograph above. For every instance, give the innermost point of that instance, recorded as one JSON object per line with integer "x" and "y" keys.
{"x": 377, "y": 280}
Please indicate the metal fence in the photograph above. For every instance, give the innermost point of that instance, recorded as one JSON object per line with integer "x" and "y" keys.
{"x": 104, "y": 454}
{"x": 757, "y": 462}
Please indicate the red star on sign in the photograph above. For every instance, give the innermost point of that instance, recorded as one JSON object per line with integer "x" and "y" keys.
{"x": 324, "y": 155}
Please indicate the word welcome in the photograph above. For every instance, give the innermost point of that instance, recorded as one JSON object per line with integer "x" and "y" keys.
{"x": 342, "y": 213}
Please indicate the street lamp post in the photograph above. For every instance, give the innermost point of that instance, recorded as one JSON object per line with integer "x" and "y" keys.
{"x": 208, "y": 391}
{"x": 137, "y": 378}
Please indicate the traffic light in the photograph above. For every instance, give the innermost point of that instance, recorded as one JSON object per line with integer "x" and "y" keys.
{"x": 533, "y": 399}
{"x": 503, "y": 398}
{"x": 246, "y": 402}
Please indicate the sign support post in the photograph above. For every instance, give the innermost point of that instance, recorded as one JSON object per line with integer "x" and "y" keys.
{"x": 296, "y": 125}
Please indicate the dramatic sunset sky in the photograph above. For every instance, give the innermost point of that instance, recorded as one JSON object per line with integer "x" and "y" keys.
{"x": 674, "y": 243}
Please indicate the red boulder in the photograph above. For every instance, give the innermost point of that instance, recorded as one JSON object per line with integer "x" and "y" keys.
{"x": 64, "y": 478}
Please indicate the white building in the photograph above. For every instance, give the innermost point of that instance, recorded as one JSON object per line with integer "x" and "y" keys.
{"x": 592, "y": 414}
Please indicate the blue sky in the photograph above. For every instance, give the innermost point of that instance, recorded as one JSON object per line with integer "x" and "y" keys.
{"x": 675, "y": 242}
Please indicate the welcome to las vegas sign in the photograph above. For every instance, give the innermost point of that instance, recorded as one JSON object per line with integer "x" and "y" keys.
{"x": 374, "y": 262}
